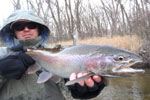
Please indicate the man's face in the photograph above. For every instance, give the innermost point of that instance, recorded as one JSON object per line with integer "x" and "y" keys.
{"x": 25, "y": 30}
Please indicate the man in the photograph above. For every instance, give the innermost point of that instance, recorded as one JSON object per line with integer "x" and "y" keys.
{"x": 26, "y": 28}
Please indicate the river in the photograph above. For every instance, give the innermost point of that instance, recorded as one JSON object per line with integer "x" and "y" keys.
{"x": 126, "y": 88}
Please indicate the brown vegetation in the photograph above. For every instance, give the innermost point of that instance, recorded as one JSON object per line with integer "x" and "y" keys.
{"x": 128, "y": 42}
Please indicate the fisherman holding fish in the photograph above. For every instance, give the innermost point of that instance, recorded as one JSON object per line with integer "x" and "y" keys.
{"x": 26, "y": 28}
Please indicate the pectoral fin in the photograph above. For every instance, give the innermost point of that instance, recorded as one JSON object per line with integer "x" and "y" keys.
{"x": 44, "y": 76}
{"x": 79, "y": 79}
{"x": 33, "y": 68}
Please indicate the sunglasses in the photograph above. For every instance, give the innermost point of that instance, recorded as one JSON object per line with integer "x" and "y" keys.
{"x": 19, "y": 26}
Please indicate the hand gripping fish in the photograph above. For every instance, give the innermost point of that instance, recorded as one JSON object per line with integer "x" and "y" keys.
{"x": 104, "y": 60}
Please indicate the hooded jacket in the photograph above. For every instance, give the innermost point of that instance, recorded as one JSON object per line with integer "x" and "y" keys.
{"x": 26, "y": 88}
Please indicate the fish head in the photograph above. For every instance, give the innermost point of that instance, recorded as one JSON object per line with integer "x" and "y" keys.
{"x": 123, "y": 64}
{"x": 116, "y": 64}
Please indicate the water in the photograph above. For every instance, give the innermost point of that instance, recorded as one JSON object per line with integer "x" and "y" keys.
{"x": 127, "y": 88}
{"x": 133, "y": 88}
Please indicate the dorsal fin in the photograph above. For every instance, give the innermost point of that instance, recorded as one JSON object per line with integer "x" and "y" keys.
{"x": 55, "y": 49}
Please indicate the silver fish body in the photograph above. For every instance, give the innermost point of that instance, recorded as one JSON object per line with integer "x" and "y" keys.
{"x": 104, "y": 60}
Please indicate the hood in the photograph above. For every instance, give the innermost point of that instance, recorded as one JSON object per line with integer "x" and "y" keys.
{"x": 7, "y": 36}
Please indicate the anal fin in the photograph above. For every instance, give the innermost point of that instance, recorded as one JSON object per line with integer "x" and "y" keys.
{"x": 44, "y": 76}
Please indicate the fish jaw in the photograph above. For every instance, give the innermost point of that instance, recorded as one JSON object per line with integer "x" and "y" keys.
{"x": 130, "y": 70}
{"x": 126, "y": 68}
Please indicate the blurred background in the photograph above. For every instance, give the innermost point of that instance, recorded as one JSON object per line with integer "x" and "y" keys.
{"x": 74, "y": 20}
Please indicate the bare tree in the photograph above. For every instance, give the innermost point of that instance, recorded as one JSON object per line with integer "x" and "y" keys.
{"x": 72, "y": 18}
{"x": 56, "y": 21}
{"x": 16, "y": 4}
{"x": 78, "y": 22}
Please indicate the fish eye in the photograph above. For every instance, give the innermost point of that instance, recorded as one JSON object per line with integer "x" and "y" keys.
{"x": 120, "y": 58}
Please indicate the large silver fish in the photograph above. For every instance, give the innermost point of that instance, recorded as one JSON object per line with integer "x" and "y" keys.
{"x": 103, "y": 60}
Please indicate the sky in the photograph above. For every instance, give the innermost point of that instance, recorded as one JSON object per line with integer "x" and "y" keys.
{"x": 6, "y": 9}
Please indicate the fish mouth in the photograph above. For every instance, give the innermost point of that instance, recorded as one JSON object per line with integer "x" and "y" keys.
{"x": 128, "y": 68}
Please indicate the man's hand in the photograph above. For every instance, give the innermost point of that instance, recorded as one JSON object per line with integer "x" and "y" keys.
{"x": 15, "y": 64}
{"x": 89, "y": 81}
{"x": 88, "y": 88}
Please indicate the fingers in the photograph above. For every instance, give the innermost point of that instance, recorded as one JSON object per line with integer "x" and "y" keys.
{"x": 97, "y": 78}
{"x": 89, "y": 81}
{"x": 74, "y": 76}
{"x": 80, "y": 75}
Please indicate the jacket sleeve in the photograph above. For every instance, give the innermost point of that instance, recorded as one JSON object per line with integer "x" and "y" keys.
{"x": 85, "y": 92}
{"x": 2, "y": 81}
{"x": 3, "y": 51}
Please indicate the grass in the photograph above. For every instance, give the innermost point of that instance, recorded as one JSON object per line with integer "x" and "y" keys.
{"x": 128, "y": 42}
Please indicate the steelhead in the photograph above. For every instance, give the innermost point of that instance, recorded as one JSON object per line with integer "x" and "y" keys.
{"x": 104, "y": 60}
